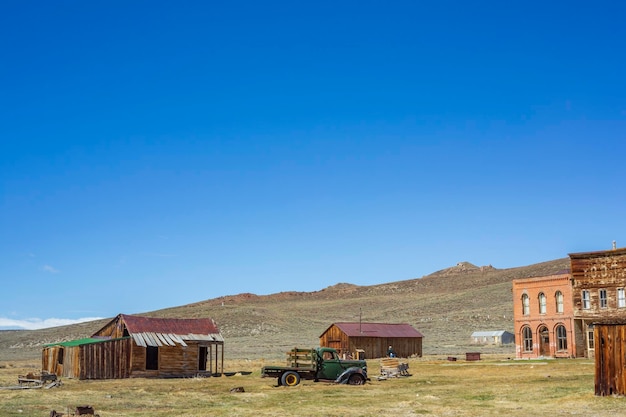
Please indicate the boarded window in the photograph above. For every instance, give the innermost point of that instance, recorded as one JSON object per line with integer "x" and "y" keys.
{"x": 152, "y": 358}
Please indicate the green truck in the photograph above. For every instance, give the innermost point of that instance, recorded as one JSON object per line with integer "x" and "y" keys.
{"x": 317, "y": 364}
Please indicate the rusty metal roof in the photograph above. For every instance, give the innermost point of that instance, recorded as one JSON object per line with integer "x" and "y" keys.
{"x": 152, "y": 331}
{"x": 377, "y": 329}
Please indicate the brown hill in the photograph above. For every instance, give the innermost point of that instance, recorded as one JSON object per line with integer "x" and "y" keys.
{"x": 446, "y": 306}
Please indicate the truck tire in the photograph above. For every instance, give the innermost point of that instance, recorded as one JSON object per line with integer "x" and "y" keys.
{"x": 290, "y": 379}
{"x": 356, "y": 379}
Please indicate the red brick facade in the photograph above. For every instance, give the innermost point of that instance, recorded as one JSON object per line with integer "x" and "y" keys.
{"x": 544, "y": 318}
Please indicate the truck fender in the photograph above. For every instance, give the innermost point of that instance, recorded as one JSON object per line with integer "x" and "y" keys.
{"x": 344, "y": 378}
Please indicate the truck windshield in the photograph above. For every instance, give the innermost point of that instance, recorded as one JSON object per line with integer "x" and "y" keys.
{"x": 328, "y": 355}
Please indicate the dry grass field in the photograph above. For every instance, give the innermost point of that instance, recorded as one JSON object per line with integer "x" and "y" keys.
{"x": 446, "y": 306}
{"x": 493, "y": 386}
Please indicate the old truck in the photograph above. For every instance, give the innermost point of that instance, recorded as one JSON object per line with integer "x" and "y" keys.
{"x": 317, "y": 364}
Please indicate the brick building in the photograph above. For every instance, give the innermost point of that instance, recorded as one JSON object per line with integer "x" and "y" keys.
{"x": 544, "y": 318}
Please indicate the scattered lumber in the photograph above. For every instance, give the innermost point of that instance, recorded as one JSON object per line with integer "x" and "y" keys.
{"x": 393, "y": 368}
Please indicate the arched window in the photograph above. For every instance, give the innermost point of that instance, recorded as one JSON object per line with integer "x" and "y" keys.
{"x": 527, "y": 339}
{"x": 559, "y": 301}
{"x": 542, "y": 303}
{"x": 525, "y": 305}
{"x": 561, "y": 337}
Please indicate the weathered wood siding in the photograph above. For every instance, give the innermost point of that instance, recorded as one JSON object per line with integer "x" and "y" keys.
{"x": 594, "y": 271}
{"x": 176, "y": 361}
{"x": 114, "y": 329}
{"x": 610, "y": 362}
{"x": 335, "y": 338}
{"x": 374, "y": 347}
{"x": 50, "y": 361}
{"x": 105, "y": 360}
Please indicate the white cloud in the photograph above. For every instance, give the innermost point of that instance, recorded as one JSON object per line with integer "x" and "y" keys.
{"x": 35, "y": 324}
{"x": 50, "y": 269}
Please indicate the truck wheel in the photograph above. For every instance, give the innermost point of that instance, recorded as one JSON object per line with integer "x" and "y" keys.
{"x": 356, "y": 379}
{"x": 290, "y": 379}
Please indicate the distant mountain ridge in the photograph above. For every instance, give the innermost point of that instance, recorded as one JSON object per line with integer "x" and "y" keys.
{"x": 446, "y": 306}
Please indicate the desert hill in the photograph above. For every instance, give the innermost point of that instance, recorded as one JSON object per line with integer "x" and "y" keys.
{"x": 446, "y": 306}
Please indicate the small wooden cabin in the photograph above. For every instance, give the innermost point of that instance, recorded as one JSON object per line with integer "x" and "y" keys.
{"x": 373, "y": 339}
{"x": 135, "y": 346}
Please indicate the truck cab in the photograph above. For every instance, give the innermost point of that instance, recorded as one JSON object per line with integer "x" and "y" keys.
{"x": 330, "y": 366}
{"x": 320, "y": 363}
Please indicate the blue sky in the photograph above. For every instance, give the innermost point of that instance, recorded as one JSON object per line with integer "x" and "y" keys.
{"x": 155, "y": 154}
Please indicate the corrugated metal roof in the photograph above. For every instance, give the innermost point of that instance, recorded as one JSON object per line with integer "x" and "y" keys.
{"x": 84, "y": 341}
{"x": 140, "y": 324}
{"x": 152, "y": 331}
{"x": 378, "y": 329}
{"x": 490, "y": 333}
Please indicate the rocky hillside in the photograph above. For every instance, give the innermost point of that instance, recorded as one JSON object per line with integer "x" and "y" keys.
{"x": 446, "y": 306}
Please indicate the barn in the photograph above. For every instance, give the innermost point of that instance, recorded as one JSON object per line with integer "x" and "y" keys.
{"x": 136, "y": 346}
{"x": 373, "y": 339}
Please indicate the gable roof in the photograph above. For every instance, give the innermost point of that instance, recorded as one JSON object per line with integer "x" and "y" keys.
{"x": 152, "y": 331}
{"x": 377, "y": 329}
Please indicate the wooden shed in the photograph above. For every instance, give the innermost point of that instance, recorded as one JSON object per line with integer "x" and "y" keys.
{"x": 135, "y": 346}
{"x": 373, "y": 339}
{"x": 610, "y": 358}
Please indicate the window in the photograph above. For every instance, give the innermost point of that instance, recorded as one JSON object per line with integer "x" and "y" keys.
{"x": 621, "y": 298}
{"x": 525, "y": 304}
{"x": 527, "y": 338}
{"x": 590, "y": 340}
{"x": 561, "y": 337}
{"x": 61, "y": 354}
{"x": 559, "y": 301}
{"x": 603, "y": 300}
{"x": 152, "y": 358}
{"x": 542, "y": 303}
{"x": 586, "y": 303}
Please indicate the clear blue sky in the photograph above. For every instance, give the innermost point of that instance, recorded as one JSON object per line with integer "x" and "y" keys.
{"x": 155, "y": 154}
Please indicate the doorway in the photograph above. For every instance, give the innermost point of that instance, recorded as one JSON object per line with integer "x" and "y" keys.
{"x": 544, "y": 341}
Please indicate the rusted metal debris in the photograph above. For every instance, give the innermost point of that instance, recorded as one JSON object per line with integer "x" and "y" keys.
{"x": 81, "y": 410}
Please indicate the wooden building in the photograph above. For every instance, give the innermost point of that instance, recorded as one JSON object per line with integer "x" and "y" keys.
{"x": 135, "y": 346}
{"x": 599, "y": 289}
{"x": 373, "y": 339}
